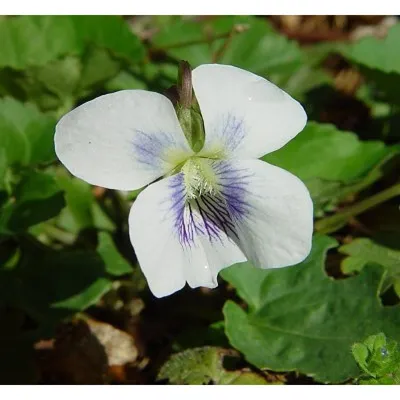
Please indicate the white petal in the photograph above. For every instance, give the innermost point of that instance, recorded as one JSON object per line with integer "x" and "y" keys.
{"x": 275, "y": 224}
{"x": 122, "y": 140}
{"x": 245, "y": 116}
{"x": 168, "y": 254}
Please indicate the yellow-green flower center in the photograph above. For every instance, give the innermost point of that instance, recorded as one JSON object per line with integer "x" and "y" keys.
{"x": 199, "y": 177}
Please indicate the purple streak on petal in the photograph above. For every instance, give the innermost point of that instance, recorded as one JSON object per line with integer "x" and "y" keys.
{"x": 210, "y": 214}
{"x": 150, "y": 147}
{"x": 231, "y": 132}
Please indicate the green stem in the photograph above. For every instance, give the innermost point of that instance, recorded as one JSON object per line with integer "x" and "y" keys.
{"x": 59, "y": 234}
{"x": 238, "y": 28}
{"x": 120, "y": 208}
{"x": 335, "y": 222}
{"x": 192, "y": 42}
{"x": 220, "y": 52}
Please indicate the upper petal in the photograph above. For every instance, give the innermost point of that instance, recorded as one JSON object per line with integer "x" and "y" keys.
{"x": 122, "y": 140}
{"x": 245, "y": 116}
{"x": 175, "y": 243}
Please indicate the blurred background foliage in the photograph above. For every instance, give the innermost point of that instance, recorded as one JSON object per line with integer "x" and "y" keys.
{"x": 74, "y": 306}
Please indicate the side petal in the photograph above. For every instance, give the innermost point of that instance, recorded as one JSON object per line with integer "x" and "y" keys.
{"x": 274, "y": 218}
{"x": 122, "y": 140}
{"x": 171, "y": 240}
{"x": 245, "y": 116}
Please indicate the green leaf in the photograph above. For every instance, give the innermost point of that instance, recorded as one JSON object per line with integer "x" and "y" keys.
{"x": 50, "y": 285}
{"x": 204, "y": 365}
{"x": 262, "y": 50}
{"x": 79, "y": 199}
{"x": 59, "y": 84}
{"x": 26, "y": 134}
{"x": 327, "y": 194}
{"x": 300, "y": 319}
{"x": 4, "y": 182}
{"x": 98, "y": 67}
{"x": 360, "y": 353}
{"x": 35, "y": 186}
{"x": 37, "y": 198}
{"x": 322, "y": 151}
{"x": 374, "y": 53}
{"x": 363, "y": 251}
{"x": 246, "y": 42}
{"x": 8, "y": 252}
{"x": 317, "y": 53}
{"x": 82, "y": 210}
{"x": 125, "y": 80}
{"x": 379, "y": 358}
{"x": 191, "y": 40}
{"x": 51, "y": 87}
{"x": 379, "y": 61}
{"x": 36, "y": 40}
{"x": 57, "y": 75}
{"x": 110, "y": 32}
{"x": 60, "y": 77}
{"x": 116, "y": 265}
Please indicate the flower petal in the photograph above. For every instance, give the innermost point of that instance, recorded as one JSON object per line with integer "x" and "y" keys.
{"x": 122, "y": 140}
{"x": 174, "y": 244}
{"x": 275, "y": 224}
{"x": 245, "y": 116}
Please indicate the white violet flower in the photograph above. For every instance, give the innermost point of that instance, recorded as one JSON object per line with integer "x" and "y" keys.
{"x": 214, "y": 207}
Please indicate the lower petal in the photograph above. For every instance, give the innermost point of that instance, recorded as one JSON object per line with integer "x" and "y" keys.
{"x": 173, "y": 243}
{"x": 275, "y": 226}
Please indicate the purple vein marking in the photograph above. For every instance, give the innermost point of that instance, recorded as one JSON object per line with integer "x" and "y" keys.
{"x": 231, "y": 132}
{"x": 150, "y": 147}
{"x": 210, "y": 214}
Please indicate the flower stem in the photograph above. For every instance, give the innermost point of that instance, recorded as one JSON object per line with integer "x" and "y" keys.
{"x": 220, "y": 52}
{"x": 335, "y": 222}
{"x": 58, "y": 234}
{"x": 238, "y": 28}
